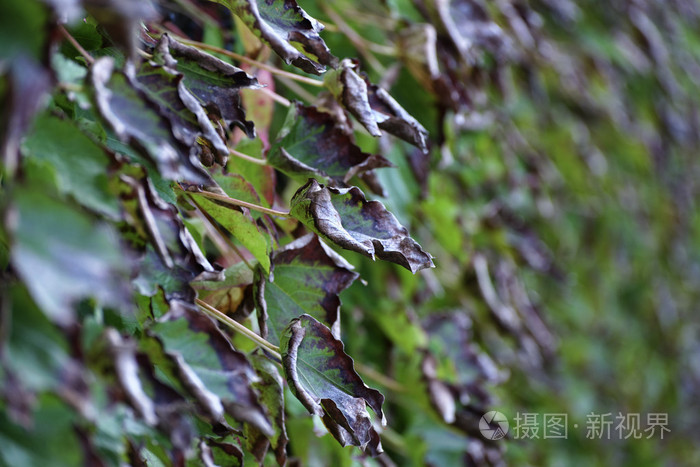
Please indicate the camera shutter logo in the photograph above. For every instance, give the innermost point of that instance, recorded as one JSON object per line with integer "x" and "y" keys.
{"x": 493, "y": 425}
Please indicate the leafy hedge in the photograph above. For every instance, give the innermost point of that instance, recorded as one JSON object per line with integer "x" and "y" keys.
{"x": 184, "y": 201}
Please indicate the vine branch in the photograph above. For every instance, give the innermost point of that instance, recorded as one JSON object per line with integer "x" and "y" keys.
{"x": 237, "y": 202}
{"x": 64, "y": 32}
{"x": 238, "y": 327}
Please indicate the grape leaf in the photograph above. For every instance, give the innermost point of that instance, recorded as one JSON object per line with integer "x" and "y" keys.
{"x": 322, "y": 376}
{"x": 136, "y": 120}
{"x": 214, "y": 82}
{"x": 282, "y": 24}
{"x": 345, "y": 217}
{"x": 307, "y": 278}
{"x": 219, "y": 376}
{"x": 187, "y": 117}
{"x": 373, "y": 106}
{"x": 310, "y": 145}
{"x": 64, "y": 256}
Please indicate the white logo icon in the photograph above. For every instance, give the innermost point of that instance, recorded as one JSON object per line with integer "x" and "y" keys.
{"x": 493, "y": 425}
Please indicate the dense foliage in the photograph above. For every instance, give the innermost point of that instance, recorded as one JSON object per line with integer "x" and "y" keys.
{"x": 503, "y": 193}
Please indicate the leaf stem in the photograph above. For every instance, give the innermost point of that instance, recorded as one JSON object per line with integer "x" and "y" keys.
{"x": 238, "y": 327}
{"x": 248, "y": 158}
{"x": 357, "y": 40}
{"x": 237, "y": 202}
{"x": 249, "y": 61}
{"x": 88, "y": 58}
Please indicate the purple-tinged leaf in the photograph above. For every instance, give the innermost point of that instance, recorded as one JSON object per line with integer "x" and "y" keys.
{"x": 344, "y": 216}
{"x": 215, "y": 83}
{"x": 310, "y": 145}
{"x": 137, "y": 121}
{"x": 306, "y": 278}
{"x": 284, "y": 26}
{"x": 187, "y": 117}
{"x": 322, "y": 376}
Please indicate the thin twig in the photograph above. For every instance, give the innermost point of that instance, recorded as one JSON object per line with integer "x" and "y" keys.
{"x": 384, "y": 380}
{"x": 276, "y": 97}
{"x": 88, "y": 58}
{"x": 246, "y": 157}
{"x": 237, "y": 202}
{"x": 248, "y": 60}
{"x": 357, "y": 40}
{"x": 238, "y": 327}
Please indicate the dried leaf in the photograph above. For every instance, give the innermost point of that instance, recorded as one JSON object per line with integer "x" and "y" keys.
{"x": 392, "y": 118}
{"x": 137, "y": 121}
{"x": 282, "y": 24}
{"x": 310, "y": 145}
{"x": 373, "y": 106}
{"x": 214, "y": 82}
{"x": 307, "y": 278}
{"x": 345, "y": 217}
{"x": 321, "y": 375}
{"x": 217, "y": 375}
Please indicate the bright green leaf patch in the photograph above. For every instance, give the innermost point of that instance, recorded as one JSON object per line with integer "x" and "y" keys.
{"x": 306, "y": 279}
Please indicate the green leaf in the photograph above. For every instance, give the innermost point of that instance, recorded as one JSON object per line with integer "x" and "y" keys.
{"x": 80, "y": 165}
{"x": 137, "y": 121}
{"x": 216, "y": 374}
{"x": 215, "y": 83}
{"x": 243, "y": 227}
{"x": 345, "y": 217}
{"x": 282, "y": 24}
{"x": 311, "y": 145}
{"x": 64, "y": 256}
{"x": 322, "y": 376}
{"x": 307, "y": 278}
